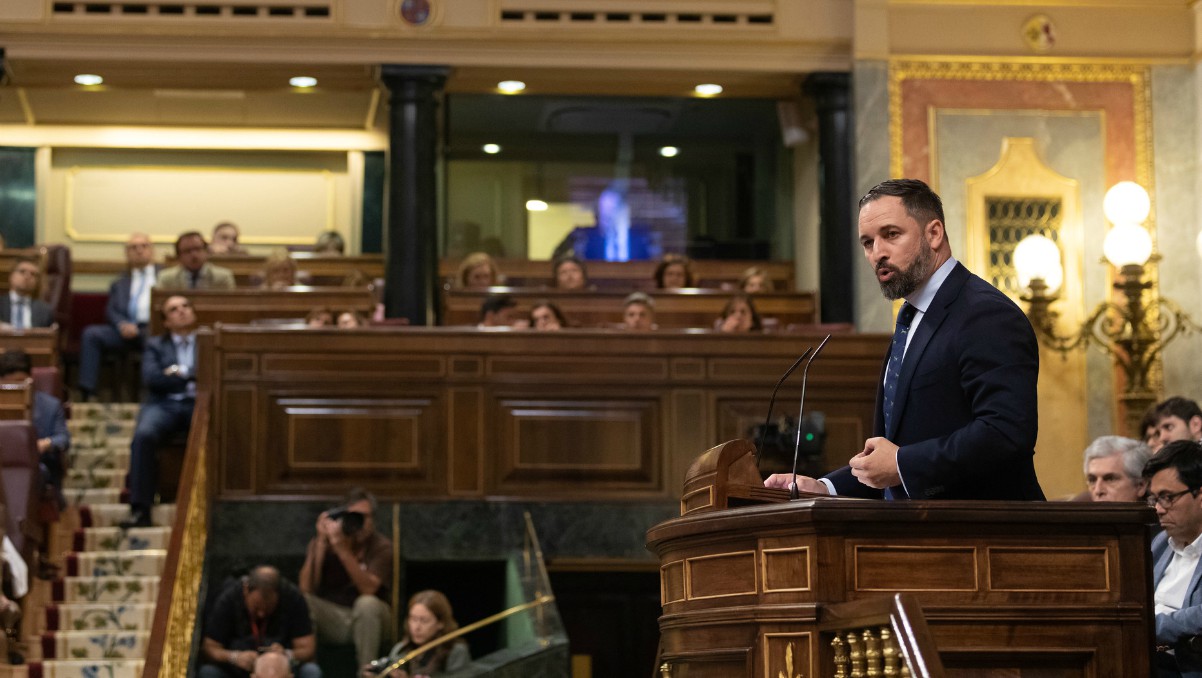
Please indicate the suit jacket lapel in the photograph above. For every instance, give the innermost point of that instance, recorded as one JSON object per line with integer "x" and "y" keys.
{"x": 934, "y": 316}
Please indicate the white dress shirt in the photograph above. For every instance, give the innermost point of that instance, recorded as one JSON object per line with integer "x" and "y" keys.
{"x": 1174, "y": 585}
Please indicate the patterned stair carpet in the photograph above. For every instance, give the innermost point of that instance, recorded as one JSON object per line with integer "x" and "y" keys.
{"x": 102, "y": 608}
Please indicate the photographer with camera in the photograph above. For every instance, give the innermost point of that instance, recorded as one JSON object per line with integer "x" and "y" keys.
{"x": 256, "y": 615}
{"x": 348, "y": 566}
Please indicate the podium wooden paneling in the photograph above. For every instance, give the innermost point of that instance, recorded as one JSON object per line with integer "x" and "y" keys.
{"x": 1007, "y": 588}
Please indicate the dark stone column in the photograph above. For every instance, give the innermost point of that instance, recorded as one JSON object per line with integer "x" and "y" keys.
{"x": 831, "y": 93}
{"x": 411, "y": 230}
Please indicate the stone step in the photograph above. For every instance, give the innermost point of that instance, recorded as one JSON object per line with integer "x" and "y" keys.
{"x": 93, "y": 479}
{"x": 106, "y": 589}
{"x": 116, "y": 539}
{"x": 110, "y": 515}
{"x": 87, "y": 668}
{"x": 101, "y": 458}
{"x": 143, "y": 563}
{"x": 100, "y": 616}
{"x": 95, "y": 644}
{"x": 104, "y": 411}
{"x": 100, "y": 495}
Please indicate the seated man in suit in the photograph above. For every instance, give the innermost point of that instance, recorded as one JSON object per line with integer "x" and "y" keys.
{"x": 194, "y": 272}
{"x": 19, "y": 309}
{"x": 1174, "y": 478}
{"x": 169, "y": 375}
{"x": 127, "y": 313}
{"x": 49, "y": 423}
{"x": 1114, "y": 468}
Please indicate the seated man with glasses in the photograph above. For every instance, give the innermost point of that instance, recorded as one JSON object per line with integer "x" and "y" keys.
{"x": 1174, "y": 479}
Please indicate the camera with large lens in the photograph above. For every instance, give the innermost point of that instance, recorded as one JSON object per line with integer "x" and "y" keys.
{"x": 351, "y": 521}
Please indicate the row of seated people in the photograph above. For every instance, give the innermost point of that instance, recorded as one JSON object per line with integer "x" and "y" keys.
{"x": 570, "y": 273}
{"x": 1165, "y": 471}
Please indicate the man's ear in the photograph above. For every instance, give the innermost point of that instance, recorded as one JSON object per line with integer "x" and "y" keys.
{"x": 935, "y": 233}
{"x": 1195, "y": 426}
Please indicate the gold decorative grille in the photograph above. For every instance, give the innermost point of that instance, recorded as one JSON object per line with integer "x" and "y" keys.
{"x": 1010, "y": 219}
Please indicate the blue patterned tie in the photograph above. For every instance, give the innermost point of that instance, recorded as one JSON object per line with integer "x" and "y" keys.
{"x": 19, "y": 316}
{"x": 896, "y": 352}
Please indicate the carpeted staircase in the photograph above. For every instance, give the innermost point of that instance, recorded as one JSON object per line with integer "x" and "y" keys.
{"x": 98, "y": 616}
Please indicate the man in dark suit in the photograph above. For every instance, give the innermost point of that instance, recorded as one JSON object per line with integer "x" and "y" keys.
{"x": 1175, "y": 478}
{"x": 19, "y": 309}
{"x": 127, "y": 313}
{"x": 956, "y": 413}
{"x": 49, "y": 422}
{"x": 169, "y": 374}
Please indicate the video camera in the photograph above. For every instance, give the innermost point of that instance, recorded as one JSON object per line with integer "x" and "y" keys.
{"x": 352, "y": 522}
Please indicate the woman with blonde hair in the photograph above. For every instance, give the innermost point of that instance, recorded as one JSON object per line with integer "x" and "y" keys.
{"x": 478, "y": 270}
{"x": 429, "y": 618}
{"x": 755, "y": 280}
{"x": 279, "y": 271}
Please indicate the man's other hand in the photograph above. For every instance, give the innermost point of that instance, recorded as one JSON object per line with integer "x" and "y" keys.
{"x": 876, "y": 466}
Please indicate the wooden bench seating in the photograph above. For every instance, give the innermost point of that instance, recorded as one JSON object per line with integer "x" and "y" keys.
{"x": 318, "y": 270}
{"x": 41, "y": 343}
{"x": 245, "y": 306}
{"x": 674, "y": 309}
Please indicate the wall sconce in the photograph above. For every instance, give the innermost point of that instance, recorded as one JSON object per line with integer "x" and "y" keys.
{"x": 1132, "y": 332}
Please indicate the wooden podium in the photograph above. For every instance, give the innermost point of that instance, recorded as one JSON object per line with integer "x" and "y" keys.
{"x": 1006, "y": 588}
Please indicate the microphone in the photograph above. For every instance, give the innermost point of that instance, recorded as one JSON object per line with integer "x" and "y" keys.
{"x": 793, "y": 494}
{"x": 772, "y": 401}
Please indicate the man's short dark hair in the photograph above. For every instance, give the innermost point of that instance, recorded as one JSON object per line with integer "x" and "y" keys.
{"x": 15, "y": 361}
{"x": 1177, "y": 406}
{"x": 189, "y": 234}
{"x": 264, "y": 579}
{"x": 494, "y": 303}
{"x": 1183, "y": 455}
{"x": 921, "y": 203}
{"x": 26, "y": 260}
{"x": 358, "y": 494}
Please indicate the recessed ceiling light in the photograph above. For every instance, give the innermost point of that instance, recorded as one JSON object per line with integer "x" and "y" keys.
{"x": 708, "y": 90}
{"x": 491, "y": 149}
{"x": 669, "y": 151}
{"x": 303, "y": 81}
{"x": 536, "y": 206}
{"x": 88, "y": 79}
{"x": 511, "y": 86}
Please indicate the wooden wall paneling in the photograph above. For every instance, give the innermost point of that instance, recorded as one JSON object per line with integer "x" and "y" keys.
{"x": 556, "y": 440}
{"x": 465, "y": 445}
{"x": 687, "y": 434}
{"x": 322, "y": 439}
{"x": 238, "y": 413}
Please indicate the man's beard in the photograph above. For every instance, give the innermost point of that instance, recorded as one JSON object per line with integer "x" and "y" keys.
{"x": 902, "y": 283}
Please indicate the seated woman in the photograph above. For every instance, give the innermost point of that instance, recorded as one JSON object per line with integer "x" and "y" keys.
{"x": 350, "y": 319}
{"x": 674, "y": 271}
{"x": 638, "y": 312}
{"x": 330, "y": 243}
{"x": 546, "y": 316}
{"x": 477, "y": 271}
{"x": 429, "y": 618}
{"x": 739, "y": 315}
{"x": 569, "y": 274}
{"x": 755, "y": 280}
{"x": 279, "y": 271}
{"x": 320, "y": 317}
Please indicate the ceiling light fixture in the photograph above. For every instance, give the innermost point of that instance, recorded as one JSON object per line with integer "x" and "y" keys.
{"x": 88, "y": 79}
{"x": 303, "y": 81}
{"x": 491, "y": 149}
{"x": 511, "y": 86}
{"x": 708, "y": 90}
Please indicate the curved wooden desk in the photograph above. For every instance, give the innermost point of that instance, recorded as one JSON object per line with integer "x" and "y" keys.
{"x": 1016, "y": 588}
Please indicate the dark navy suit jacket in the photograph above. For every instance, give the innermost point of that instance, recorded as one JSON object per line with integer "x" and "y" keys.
{"x": 40, "y": 313}
{"x": 117, "y": 310}
{"x": 158, "y": 355}
{"x": 966, "y": 414}
{"x": 1176, "y": 628}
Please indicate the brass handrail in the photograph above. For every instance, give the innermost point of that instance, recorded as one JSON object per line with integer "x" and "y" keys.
{"x": 409, "y": 656}
{"x": 169, "y": 649}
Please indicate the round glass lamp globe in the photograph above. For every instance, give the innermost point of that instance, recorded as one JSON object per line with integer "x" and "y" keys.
{"x": 1126, "y": 203}
{"x": 1036, "y": 256}
{"x": 1127, "y": 244}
